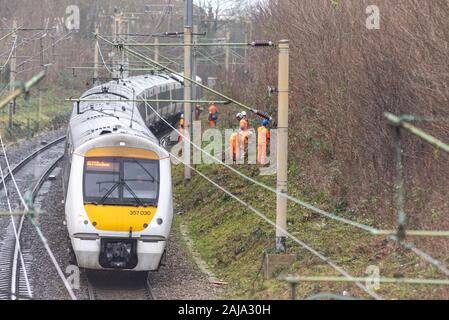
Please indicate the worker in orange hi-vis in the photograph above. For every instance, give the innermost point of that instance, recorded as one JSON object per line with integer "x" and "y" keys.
{"x": 213, "y": 115}
{"x": 243, "y": 138}
{"x": 181, "y": 128}
{"x": 234, "y": 145}
{"x": 263, "y": 138}
{"x": 243, "y": 143}
{"x": 244, "y": 123}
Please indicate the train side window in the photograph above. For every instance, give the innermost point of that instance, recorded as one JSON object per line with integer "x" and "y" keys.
{"x": 164, "y": 96}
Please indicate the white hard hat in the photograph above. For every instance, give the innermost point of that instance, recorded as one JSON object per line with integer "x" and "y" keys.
{"x": 238, "y": 115}
{"x": 243, "y": 113}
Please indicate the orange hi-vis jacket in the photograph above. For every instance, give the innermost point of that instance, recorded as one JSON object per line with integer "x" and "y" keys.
{"x": 263, "y": 135}
{"x": 212, "y": 109}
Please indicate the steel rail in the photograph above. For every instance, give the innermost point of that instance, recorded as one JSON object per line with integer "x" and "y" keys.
{"x": 15, "y": 267}
{"x": 33, "y": 155}
{"x": 44, "y": 177}
{"x": 95, "y": 294}
{"x": 15, "y": 274}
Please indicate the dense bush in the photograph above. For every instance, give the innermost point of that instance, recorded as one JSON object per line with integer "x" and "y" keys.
{"x": 343, "y": 77}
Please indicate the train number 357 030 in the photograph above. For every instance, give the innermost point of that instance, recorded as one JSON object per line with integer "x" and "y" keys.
{"x": 140, "y": 213}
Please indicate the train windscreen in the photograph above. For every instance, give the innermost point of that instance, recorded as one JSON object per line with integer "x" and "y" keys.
{"x": 121, "y": 181}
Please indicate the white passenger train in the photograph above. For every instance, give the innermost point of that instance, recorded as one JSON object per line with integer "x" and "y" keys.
{"x": 117, "y": 179}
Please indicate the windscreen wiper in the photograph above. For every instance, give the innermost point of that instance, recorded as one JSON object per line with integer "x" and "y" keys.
{"x": 138, "y": 200}
{"x": 114, "y": 186}
{"x": 145, "y": 169}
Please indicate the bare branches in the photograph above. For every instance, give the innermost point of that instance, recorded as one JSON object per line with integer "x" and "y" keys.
{"x": 344, "y": 77}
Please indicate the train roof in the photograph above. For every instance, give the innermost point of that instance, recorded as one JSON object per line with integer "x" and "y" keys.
{"x": 98, "y": 118}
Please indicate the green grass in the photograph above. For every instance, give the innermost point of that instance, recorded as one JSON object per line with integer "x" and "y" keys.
{"x": 232, "y": 239}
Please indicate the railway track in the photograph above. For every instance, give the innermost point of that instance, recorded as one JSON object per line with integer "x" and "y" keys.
{"x": 111, "y": 285}
{"x": 13, "y": 284}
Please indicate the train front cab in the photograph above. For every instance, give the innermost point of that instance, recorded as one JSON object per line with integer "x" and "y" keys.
{"x": 126, "y": 206}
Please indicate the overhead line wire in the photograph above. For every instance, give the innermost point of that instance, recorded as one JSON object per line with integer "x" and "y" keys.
{"x": 264, "y": 217}
{"x": 16, "y": 235}
{"x": 374, "y": 231}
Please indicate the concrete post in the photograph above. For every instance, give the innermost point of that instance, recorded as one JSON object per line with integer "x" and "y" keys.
{"x": 187, "y": 88}
{"x": 282, "y": 144}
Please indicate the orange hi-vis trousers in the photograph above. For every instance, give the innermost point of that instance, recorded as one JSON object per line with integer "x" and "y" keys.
{"x": 234, "y": 145}
{"x": 263, "y": 136}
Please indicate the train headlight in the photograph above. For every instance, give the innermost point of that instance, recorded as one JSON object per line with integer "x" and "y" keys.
{"x": 159, "y": 221}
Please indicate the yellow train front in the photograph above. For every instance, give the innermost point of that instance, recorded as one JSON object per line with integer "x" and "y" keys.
{"x": 117, "y": 185}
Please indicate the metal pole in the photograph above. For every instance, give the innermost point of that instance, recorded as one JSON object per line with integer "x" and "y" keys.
{"x": 402, "y": 218}
{"x": 156, "y": 49}
{"x": 282, "y": 144}
{"x": 39, "y": 106}
{"x": 194, "y": 69}
{"x": 227, "y": 53}
{"x": 96, "y": 56}
{"x": 128, "y": 30}
{"x": 122, "y": 53}
{"x": 246, "y": 48}
{"x": 114, "y": 39}
{"x": 32, "y": 82}
{"x": 187, "y": 87}
{"x": 169, "y": 14}
{"x": 28, "y": 111}
{"x": 12, "y": 75}
{"x": 41, "y": 56}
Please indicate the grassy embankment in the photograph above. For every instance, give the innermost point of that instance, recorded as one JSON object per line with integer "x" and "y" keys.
{"x": 232, "y": 239}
